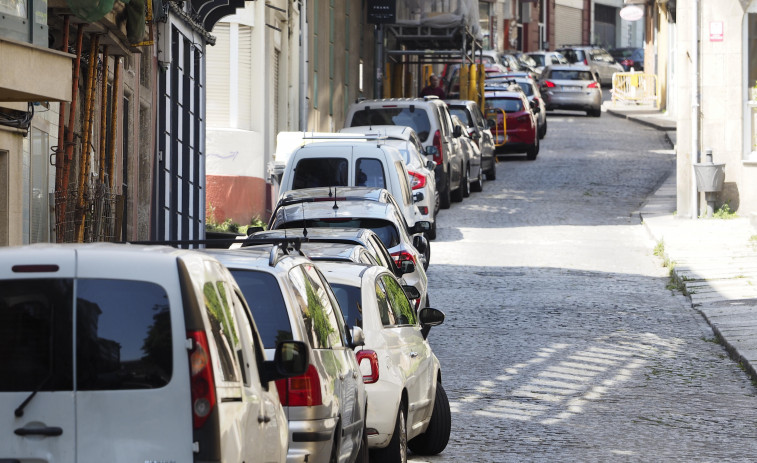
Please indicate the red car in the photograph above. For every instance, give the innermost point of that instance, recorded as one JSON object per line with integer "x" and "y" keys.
{"x": 520, "y": 125}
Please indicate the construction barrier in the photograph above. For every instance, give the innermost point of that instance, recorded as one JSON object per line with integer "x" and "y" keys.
{"x": 498, "y": 131}
{"x": 634, "y": 87}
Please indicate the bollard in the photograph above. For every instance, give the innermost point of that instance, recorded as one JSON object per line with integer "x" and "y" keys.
{"x": 710, "y": 177}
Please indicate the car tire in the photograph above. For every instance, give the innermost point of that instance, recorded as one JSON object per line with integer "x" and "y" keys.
{"x": 436, "y": 437}
{"x": 466, "y": 183}
{"x": 396, "y": 451}
{"x": 334, "y": 458}
{"x": 445, "y": 196}
{"x": 478, "y": 185}
{"x": 431, "y": 234}
{"x": 427, "y": 257}
{"x": 533, "y": 150}
{"x": 458, "y": 195}
{"x": 492, "y": 174}
{"x": 595, "y": 112}
{"x": 543, "y": 130}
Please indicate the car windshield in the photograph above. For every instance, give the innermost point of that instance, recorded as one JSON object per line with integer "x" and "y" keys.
{"x": 411, "y": 117}
{"x": 508, "y": 105}
{"x": 263, "y": 294}
{"x": 386, "y": 230}
{"x": 349, "y": 301}
{"x": 570, "y": 75}
{"x": 538, "y": 59}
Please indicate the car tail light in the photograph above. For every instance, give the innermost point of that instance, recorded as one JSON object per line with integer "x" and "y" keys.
{"x": 369, "y": 365}
{"x": 423, "y": 209}
{"x": 201, "y": 378}
{"x": 586, "y": 62}
{"x": 401, "y": 256}
{"x": 439, "y": 156}
{"x": 592, "y": 85}
{"x": 549, "y": 84}
{"x": 337, "y": 219}
{"x": 301, "y": 391}
{"x": 417, "y": 180}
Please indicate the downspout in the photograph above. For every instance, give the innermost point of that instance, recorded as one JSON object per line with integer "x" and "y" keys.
{"x": 694, "y": 109}
{"x": 303, "y": 66}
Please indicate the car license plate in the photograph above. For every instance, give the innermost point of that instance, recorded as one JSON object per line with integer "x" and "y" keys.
{"x": 571, "y": 89}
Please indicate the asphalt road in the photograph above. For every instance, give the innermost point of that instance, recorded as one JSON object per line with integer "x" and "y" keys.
{"x": 562, "y": 342}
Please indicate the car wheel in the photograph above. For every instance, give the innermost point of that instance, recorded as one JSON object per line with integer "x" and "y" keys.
{"x": 427, "y": 257}
{"x": 396, "y": 451}
{"x": 335, "y": 446}
{"x": 596, "y": 112}
{"x": 478, "y": 185}
{"x": 445, "y": 197}
{"x": 436, "y": 437}
{"x": 492, "y": 174}
{"x": 533, "y": 150}
{"x": 458, "y": 195}
{"x": 465, "y": 184}
{"x": 431, "y": 234}
{"x": 543, "y": 130}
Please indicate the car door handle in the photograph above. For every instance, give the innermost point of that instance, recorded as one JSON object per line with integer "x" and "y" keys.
{"x": 413, "y": 354}
{"x": 46, "y": 431}
{"x": 355, "y": 374}
{"x": 264, "y": 419}
{"x": 342, "y": 376}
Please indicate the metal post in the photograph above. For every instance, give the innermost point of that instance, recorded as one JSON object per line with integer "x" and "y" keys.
{"x": 694, "y": 109}
{"x": 378, "y": 85}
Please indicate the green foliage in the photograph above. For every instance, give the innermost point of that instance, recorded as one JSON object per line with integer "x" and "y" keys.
{"x": 228, "y": 226}
{"x": 724, "y": 212}
{"x": 659, "y": 249}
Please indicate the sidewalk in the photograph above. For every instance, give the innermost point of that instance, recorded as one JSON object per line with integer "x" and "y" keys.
{"x": 714, "y": 260}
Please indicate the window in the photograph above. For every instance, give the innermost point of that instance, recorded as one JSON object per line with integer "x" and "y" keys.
{"x": 751, "y": 63}
{"x": 35, "y": 335}
{"x": 417, "y": 119}
{"x": 350, "y": 302}
{"x": 385, "y": 312}
{"x": 39, "y": 204}
{"x": 321, "y": 323}
{"x": 508, "y": 105}
{"x": 571, "y": 75}
{"x": 311, "y": 173}
{"x": 263, "y": 294}
{"x": 369, "y": 172}
{"x": 401, "y": 308}
{"x": 223, "y": 329}
{"x": 123, "y": 335}
{"x": 385, "y": 230}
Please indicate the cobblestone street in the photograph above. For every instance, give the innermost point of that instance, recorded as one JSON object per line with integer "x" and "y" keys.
{"x": 561, "y": 341}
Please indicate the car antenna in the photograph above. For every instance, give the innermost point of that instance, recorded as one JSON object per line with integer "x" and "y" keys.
{"x": 330, "y": 195}
{"x": 336, "y": 206}
{"x": 304, "y": 222}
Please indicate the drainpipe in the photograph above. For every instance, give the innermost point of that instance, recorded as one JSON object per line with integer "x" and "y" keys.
{"x": 303, "y": 66}
{"x": 694, "y": 109}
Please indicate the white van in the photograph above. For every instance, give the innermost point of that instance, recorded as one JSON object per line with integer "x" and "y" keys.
{"x": 127, "y": 353}
{"x": 363, "y": 160}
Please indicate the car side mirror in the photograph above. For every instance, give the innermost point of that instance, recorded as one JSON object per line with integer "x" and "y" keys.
{"x": 358, "y": 337}
{"x": 420, "y": 243}
{"x": 406, "y": 267}
{"x": 420, "y": 227}
{"x": 418, "y": 196}
{"x": 432, "y": 151}
{"x": 290, "y": 359}
{"x": 430, "y": 165}
{"x": 411, "y": 292}
{"x": 251, "y": 230}
{"x": 429, "y": 317}
{"x": 457, "y": 131}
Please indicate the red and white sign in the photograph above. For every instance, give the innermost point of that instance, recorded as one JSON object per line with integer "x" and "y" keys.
{"x": 716, "y": 31}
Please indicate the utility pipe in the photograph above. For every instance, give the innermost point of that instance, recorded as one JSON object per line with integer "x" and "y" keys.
{"x": 59, "y": 154}
{"x": 103, "y": 116}
{"x": 71, "y": 119}
{"x": 694, "y": 108}
{"x": 303, "y": 66}
{"x": 114, "y": 118}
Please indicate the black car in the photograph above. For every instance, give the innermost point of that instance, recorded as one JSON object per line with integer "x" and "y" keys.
{"x": 629, "y": 58}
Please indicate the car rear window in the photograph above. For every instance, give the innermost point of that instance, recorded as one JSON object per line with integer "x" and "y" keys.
{"x": 369, "y": 172}
{"x": 263, "y": 294}
{"x": 558, "y": 74}
{"x": 350, "y": 302}
{"x": 123, "y": 335}
{"x": 463, "y": 113}
{"x": 528, "y": 89}
{"x": 386, "y": 230}
{"x": 539, "y": 59}
{"x": 410, "y": 116}
{"x": 317, "y": 172}
{"x": 508, "y": 105}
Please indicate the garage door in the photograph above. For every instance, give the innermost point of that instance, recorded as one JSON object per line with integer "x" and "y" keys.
{"x": 567, "y": 25}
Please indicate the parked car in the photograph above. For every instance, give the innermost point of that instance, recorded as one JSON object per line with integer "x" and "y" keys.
{"x": 599, "y": 61}
{"x": 452, "y": 89}
{"x": 407, "y": 404}
{"x": 430, "y": 119}
{"x": 349, "y": 163}
{"x": 531, "y": 88}
{"x": 478, "y": 129}
{"x": 545, "y": 58}
{"x": 288, "y": 295}
{"x": 135, "y": 353}
{"x": 474, "y": 174}
{"x": 521, "y": 125}
{"x": 338, "y": 252}
{"x": 404, "y": 243}
{"x": 419, "y": 168}
{"x": 632, "y": 59}
{"x": 571, "y": 87}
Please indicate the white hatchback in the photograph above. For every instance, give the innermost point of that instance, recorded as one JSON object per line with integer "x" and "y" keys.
{"x": 407, "y": 405}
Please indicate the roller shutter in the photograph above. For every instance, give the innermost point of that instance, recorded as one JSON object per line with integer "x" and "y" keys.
{"x": 567, "y": 25}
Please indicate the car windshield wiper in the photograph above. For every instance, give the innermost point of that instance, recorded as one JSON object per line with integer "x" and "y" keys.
{"x": 19, "y": 412}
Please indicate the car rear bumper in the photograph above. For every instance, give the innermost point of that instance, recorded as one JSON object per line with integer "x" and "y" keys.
{"x": 311, "y": 439}
{"x": 573, "y": 100}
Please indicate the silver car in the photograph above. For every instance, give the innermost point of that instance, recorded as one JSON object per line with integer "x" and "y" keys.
{"x": 571, "y": 87}
{"x": 474, "y": 174}
{"x": 599, "y": 60}
{"x": 478, "y": 128}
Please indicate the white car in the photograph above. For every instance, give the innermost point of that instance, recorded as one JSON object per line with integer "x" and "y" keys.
{"x": 420, "y": 169}
{"x": 407, "y": 405}
{"x": 120, "y": 352}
